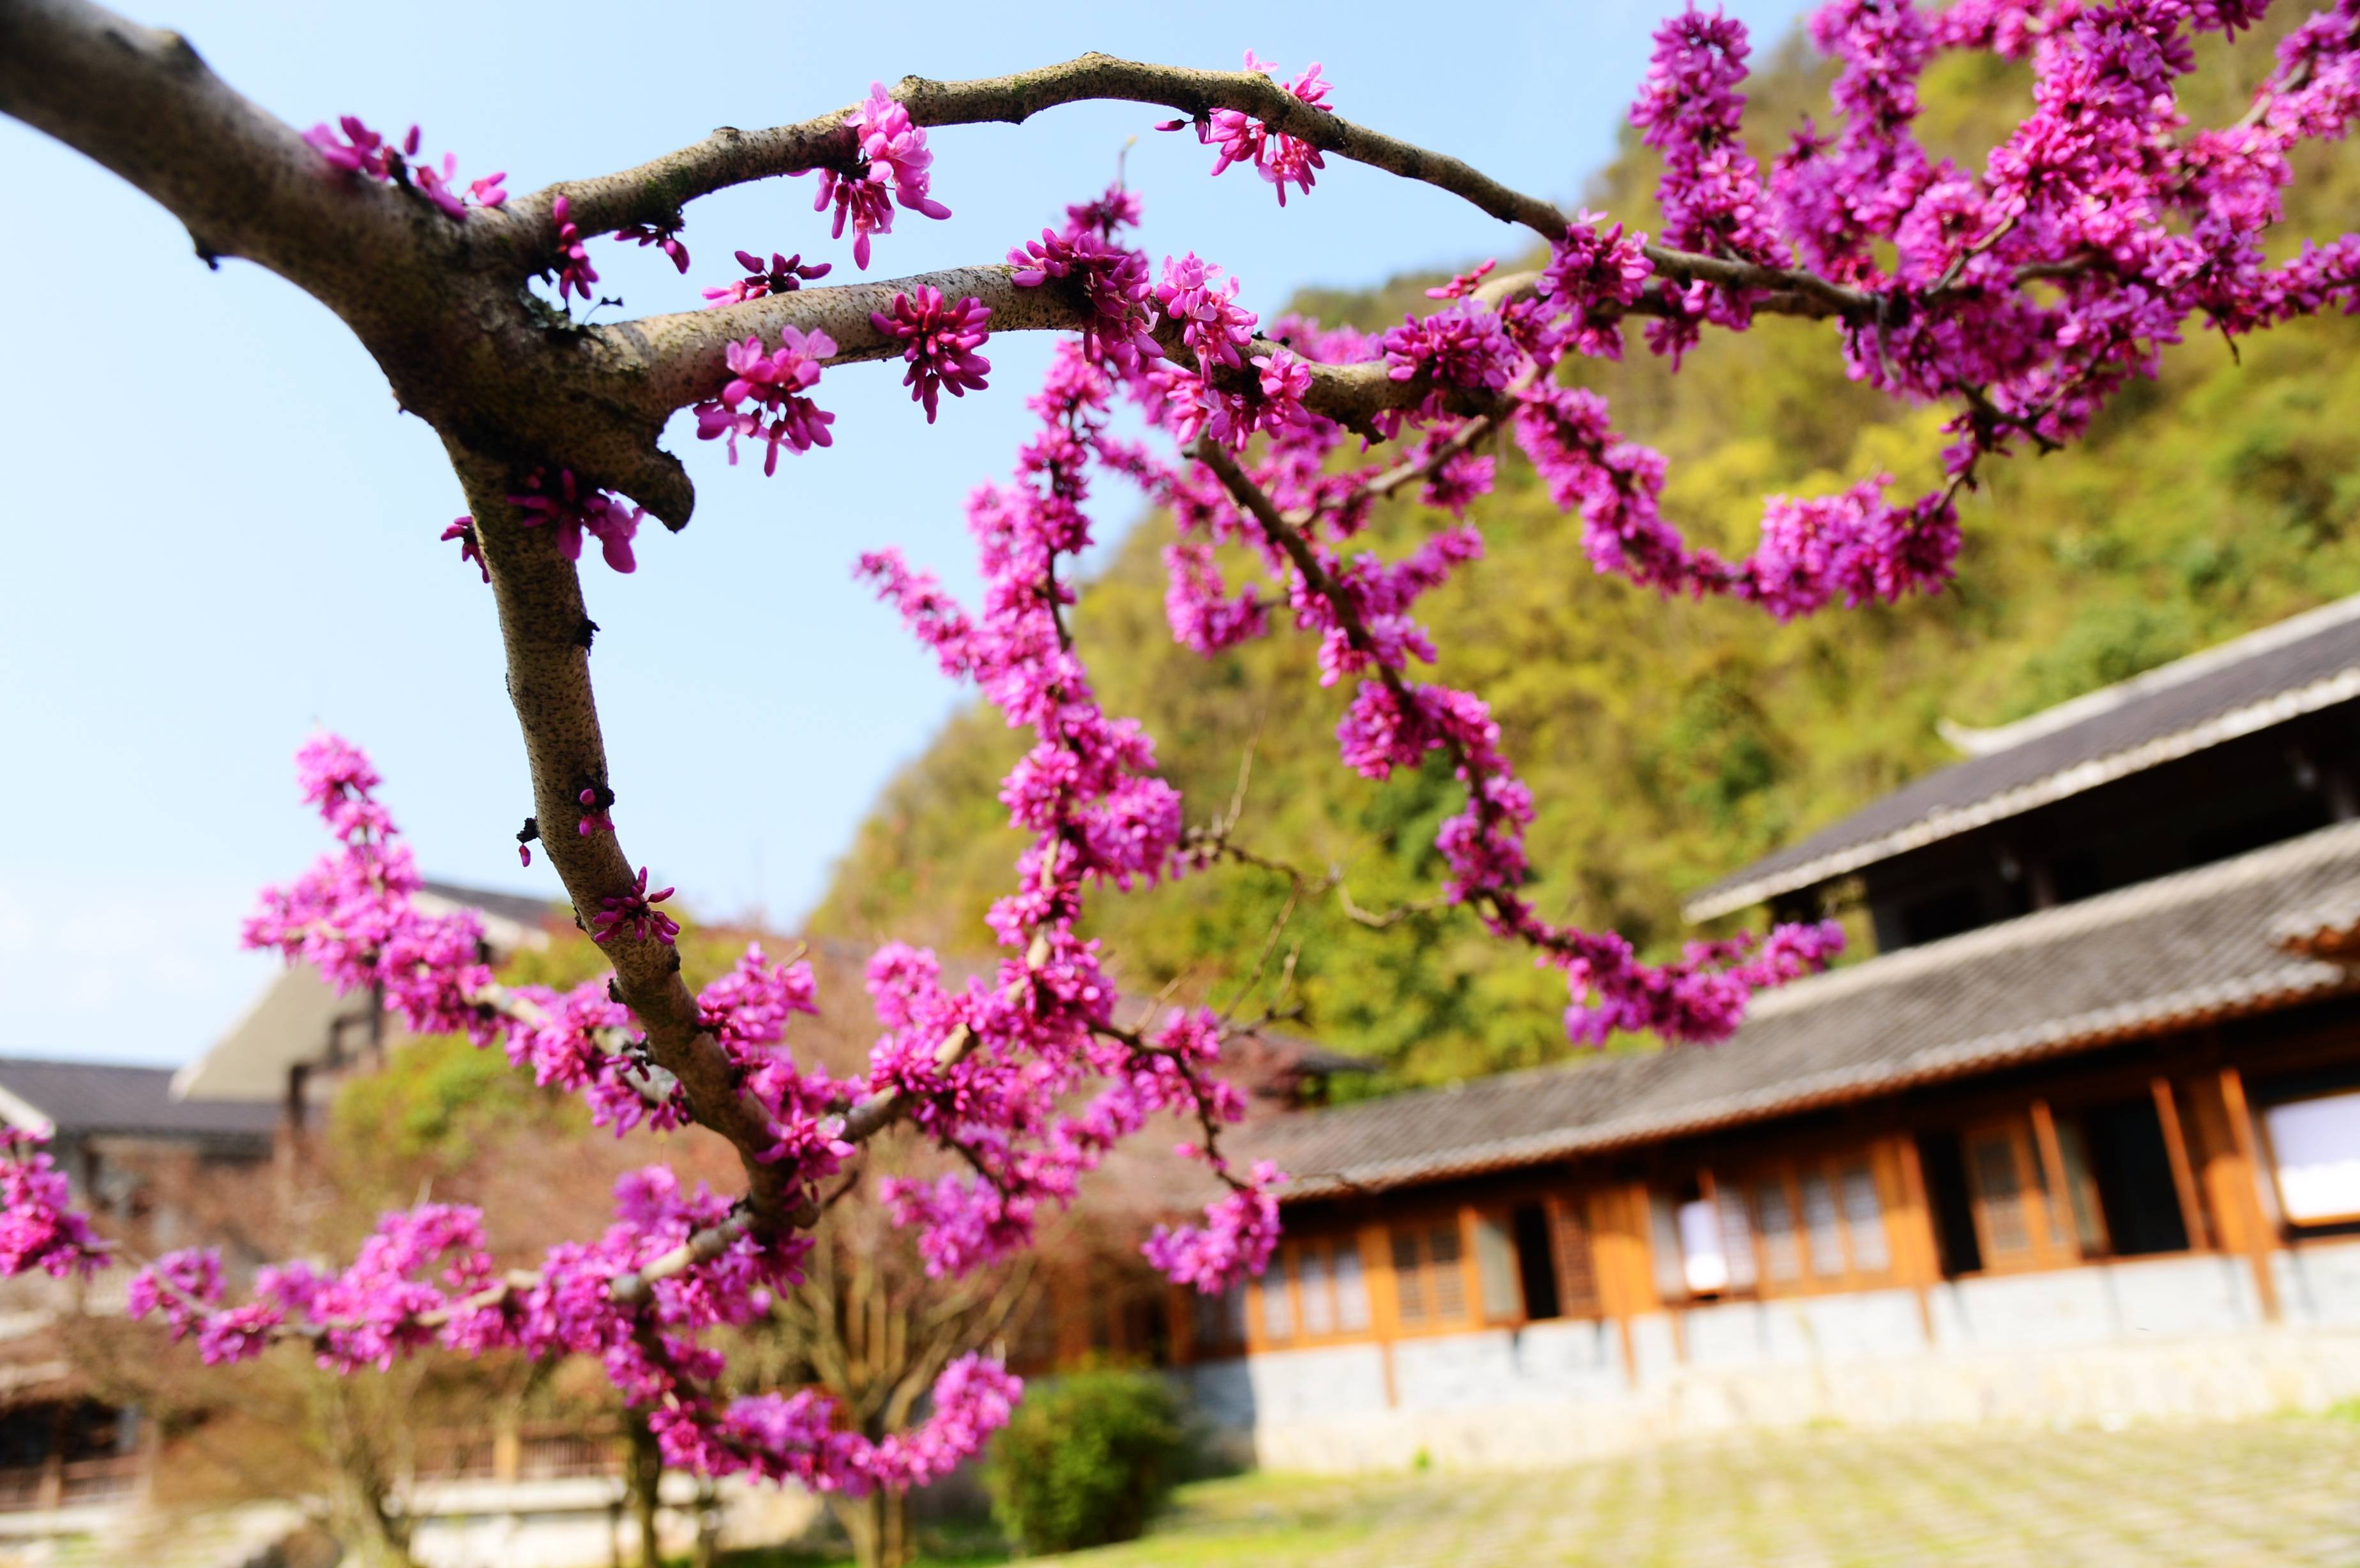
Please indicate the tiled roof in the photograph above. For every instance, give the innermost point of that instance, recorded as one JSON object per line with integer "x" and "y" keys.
{"x": 86, "y": 1097}
{"x": 2164, "y": 954}
{"x": 2299, "y": 666}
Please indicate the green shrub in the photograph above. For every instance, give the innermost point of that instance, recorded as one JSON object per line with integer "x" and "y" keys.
{"x": 1086, "y": 1460}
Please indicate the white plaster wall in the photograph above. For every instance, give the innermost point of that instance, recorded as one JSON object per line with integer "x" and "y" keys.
{"x": 577, "y": 1524}
{"x": 2321, "y": 1283}
{"x": 2156, "y": 1338}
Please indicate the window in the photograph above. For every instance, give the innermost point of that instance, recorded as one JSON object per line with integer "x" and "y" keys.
{"x": 2020, "y": 1222}
{"x": 1351, "y": 1289}
{"x": 2081, "y": 1188}
{"x": 1277, "y": 1309}
{"x": 1703, "y": 1240}
{"x": 1496, "y": 1269}
{"x": 2130, "y": 1164}
{"x": 2316, "y": 1147}
{"x": 1330, "y": 1287}
{"x": 1736, "y": 1237}
{"x": 1536, "y": 1269}
{"x": 1220, "y": 1320}
{"x": 1943, "y": 1160}
{"x": 1822, "y": 1230}
{"x": 1812, "y": 1224}
{"x": 1429, "y": 1283}
{"x": 1318, "y": 1302}
{"x": 1863, "y": 1213}
{"x": 1782, "y": 1247}
{"x": 1576, "y": 1274}
{"x": 2000, "y": 1170}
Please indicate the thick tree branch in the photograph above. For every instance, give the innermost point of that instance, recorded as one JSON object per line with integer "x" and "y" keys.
{"x": 656, "y": 191}
{"x": 441, "y": 304}
{"x": 541, "y": 615}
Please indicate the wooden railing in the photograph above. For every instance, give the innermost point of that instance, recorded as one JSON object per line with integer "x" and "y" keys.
{"x": 20, "y": 1488}
{"x": 548, "y": 1456}
{"x": 551, "y": 1454}
{"x": 76, "y": 1482}
{"x": 97, "y": 1480}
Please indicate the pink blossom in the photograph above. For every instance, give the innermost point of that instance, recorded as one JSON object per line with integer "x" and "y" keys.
{"x": 634, "y": 914}
{"x": 765, "y": 396}
{"x": 665, "y": 237}
{"x": 573, "y": 508}
{"x": 890, "y": 154}
{"x": 38, "y": 1226}
{"x": 780, "y": 275}
{"x": 939, "y": 342}
{"x": 1278, "y": 158}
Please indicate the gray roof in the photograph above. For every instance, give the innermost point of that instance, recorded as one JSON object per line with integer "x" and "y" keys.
{"x": 2165, "y": 954}
{"x": 531, "y": 912}
{"x": 88, "y": 1098}
{"x": 2301, "y": 665}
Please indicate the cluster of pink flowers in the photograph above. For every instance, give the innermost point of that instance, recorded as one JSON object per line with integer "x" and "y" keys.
{"x": 351, "y": 148}
{"x": 780, "y": 275}
{"x": 987, "y": 1069}
{"x": 634, "y": 914}
{"x": 1691, "y": 111}
{"x": 665, "y": 237}
{"x": 427, "y": 1278}
{"x": 1278, "y": 157}
{"x": 765, "y": 397}
{"x": 352, "y": 918}
{"x": 939, "y": 340}
{"x": 38, "y": 1226}
{"x": 571, "y": 265}
{"x": 891, "y": 165}
{"x": 571, "y": 507}
{"x": 1113, "y": 281}
{"x": 1593, "y": 276}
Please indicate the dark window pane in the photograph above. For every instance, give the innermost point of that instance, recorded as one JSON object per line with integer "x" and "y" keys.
{"x": 1946, "y": 1191}
{"x": 2133, "y": 1168}
{"x": 1535, "y": 1269}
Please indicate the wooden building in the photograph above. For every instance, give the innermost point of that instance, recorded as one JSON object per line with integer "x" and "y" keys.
{"x": 2080, "y": 1141}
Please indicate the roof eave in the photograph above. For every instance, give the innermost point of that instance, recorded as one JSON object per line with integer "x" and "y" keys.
{"x": 2287, "y": 986}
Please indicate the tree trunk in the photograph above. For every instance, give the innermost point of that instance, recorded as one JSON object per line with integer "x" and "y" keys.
{"x": 879, "y": 1527}
{"x": 643, "y": 1477}
{"x": 708, "y": 1525}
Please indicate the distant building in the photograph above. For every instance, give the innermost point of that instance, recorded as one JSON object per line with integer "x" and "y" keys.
{"x": 2081, "y": 1140}
{"x": 75, "y": 1470}
{"x": 70, "y": 1464}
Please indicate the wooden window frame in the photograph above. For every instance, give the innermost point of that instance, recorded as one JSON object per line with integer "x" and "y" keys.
{"x": 1423, "y": 1222}
{"x": 1289, "y": 1257}
{"x": 2049, "y": 1245}
{"x": 1830, "y": 1165}
{"x": 2266, "y": 1145}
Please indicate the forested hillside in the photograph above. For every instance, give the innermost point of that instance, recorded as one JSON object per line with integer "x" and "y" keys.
{"x": 1668, "y": 743}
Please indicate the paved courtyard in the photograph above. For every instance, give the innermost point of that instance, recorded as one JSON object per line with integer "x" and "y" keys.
{"x": 2271, "y": 1491}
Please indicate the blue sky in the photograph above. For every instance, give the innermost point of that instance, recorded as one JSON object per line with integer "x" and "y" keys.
{"x": 221, "y": 533}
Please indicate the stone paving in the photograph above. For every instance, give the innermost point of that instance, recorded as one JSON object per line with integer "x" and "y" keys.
{"x": 2262, "y": 1493}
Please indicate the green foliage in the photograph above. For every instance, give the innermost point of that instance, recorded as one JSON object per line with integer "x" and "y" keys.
{"x": 434, "y": 1106}
{"x": 1085, "y": 1461}
{"x": 1668, "y": 744}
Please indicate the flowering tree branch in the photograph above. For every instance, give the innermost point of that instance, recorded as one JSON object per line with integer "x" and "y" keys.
{"x": 2024, "y": 296}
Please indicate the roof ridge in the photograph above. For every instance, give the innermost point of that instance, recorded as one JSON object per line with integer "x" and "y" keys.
{"x": 2162, "y": 678}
